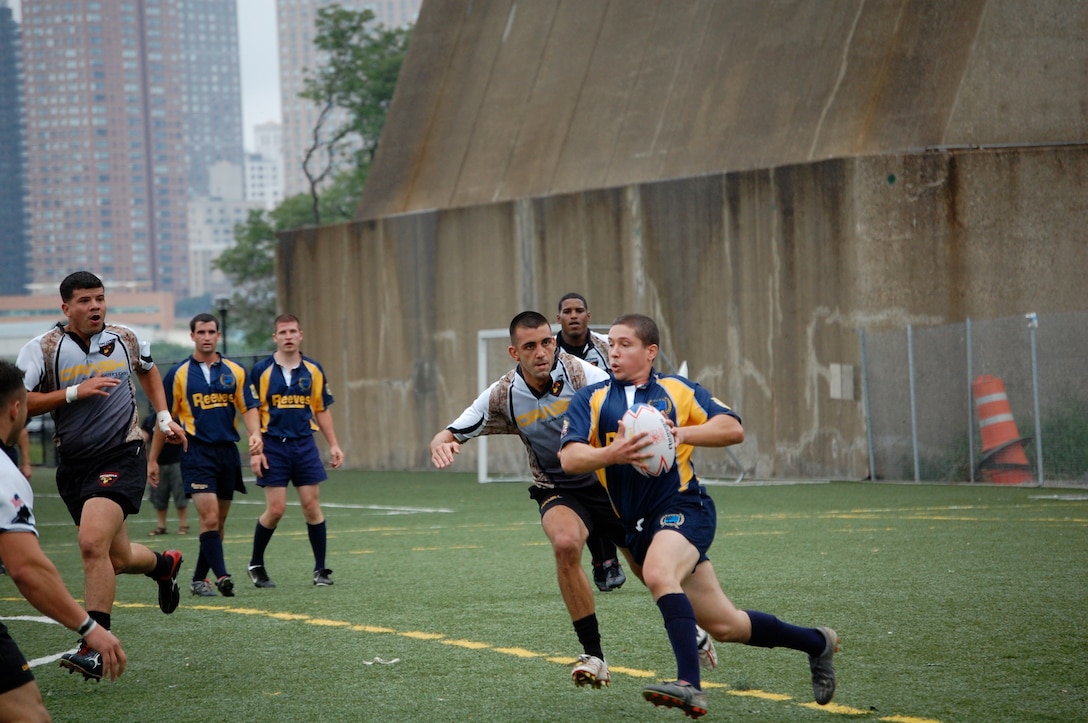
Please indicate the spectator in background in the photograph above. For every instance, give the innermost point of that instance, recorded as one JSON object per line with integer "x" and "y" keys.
{"x": 167, "y": 485}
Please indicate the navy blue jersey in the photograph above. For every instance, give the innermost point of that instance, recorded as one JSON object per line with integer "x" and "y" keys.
{"x": 593, "y": 417}
{"x": 287, "y": 410}
{"x": 205, "y": 405}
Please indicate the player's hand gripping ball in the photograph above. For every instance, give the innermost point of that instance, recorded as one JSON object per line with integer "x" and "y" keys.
{"x": 662, "y": 448}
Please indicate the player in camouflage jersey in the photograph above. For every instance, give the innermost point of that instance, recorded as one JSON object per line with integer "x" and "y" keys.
{"x": 34, "y": 573}
{"x": 530, "y": 401}
{"x": 82, "y": 374}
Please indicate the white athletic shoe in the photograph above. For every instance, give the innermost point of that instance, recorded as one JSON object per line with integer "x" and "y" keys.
{"x": 590, "y": 670}
{"x": 708, "y": 656}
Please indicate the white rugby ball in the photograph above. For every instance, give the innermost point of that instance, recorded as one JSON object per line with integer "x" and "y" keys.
{"x": 662, "y": 449}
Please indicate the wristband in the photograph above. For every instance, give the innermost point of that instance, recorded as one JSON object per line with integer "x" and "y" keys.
{"x": 88, "y": 625}
{"x": 71, "y": 393}
{"x": 163, "y": 418}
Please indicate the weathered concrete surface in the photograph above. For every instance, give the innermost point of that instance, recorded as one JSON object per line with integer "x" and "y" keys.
{"x": 508, "y": 99}
{"x": 759, "y": 279}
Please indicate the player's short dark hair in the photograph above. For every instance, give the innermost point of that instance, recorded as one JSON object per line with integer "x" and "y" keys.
{"x": 527, "y": 320}
{"x": 285, "y": 319}
{"x": 203, "y": 318}
{"x": 78, "y": 281}
{"x": 11, "y": 381}
{"x": 645, "y": 328}
{"x": 572, "y": 295}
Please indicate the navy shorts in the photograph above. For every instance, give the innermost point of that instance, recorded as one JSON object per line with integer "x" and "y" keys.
{"x": 693, "y": 516}
{"x": 14, "y": 670}
{"x": 208, "y": 467}
{"x": 589, "y": 503}
{"x": 119, "y": 474}
{"x": 292, "y": 460}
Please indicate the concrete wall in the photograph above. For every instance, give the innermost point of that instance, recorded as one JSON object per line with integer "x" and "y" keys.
{"x": 512, "y": 99}
{"x": 759, "y": 279}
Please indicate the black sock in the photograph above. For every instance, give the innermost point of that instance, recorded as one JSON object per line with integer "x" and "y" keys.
{"x": 261, "y": 537}
{"x": 101, "y": 618}
{"x": 318, "y": 540}
{"x": 589, "y": 635}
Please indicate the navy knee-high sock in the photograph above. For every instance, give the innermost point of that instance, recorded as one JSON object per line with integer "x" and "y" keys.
{"x": 318, "y": 538}
{"x": 261, "y": 537}
{"x": 770, "y": 632}
{"x": 200, "y": 570}
{"x": 680, "y": 624}
{"x": 211, "y": 549}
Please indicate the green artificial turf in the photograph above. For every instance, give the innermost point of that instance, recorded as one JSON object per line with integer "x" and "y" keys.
{"x": 954, "y": 603}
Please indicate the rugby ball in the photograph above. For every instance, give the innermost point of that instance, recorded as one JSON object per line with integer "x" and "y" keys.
{"x": 662, "y": 449}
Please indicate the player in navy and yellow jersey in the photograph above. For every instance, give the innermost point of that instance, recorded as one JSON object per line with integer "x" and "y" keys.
{"x": 670, "y": 520}
{"x": 576, "y": 339}
{"x": 294, "y": 397}
{"x": 82, "y": 373}
{"x": 33, "y": 573}
{"x": 206, "y": 393}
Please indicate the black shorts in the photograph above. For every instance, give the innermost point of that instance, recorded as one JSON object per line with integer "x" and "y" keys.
{"x": 14, "y": 670}
{"x": 119, "y": 474}
{"x": 207, "y": 467}
{"x": 590, "y": 503}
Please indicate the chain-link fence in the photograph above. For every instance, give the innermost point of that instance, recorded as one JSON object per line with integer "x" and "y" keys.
{"x": 935, "y": 410}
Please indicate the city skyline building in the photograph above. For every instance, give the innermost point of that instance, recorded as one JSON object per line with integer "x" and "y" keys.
{"x": 212, "y": 87}
{"x": 264, "y": 168}
{"x": 14, "y": 241}
{"x": 106, "y": 175}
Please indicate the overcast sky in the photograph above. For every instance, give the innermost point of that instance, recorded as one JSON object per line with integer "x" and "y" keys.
{"x": 259, "y": 62}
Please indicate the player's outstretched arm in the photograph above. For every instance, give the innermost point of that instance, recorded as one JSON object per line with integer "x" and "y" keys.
{"x": 443, "y": 449}
{"x": 721, "y": 430}
{"x": 39, "y": 582}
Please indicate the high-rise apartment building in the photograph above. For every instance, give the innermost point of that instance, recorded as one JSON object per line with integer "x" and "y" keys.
{"x": 106, "y": 173}
{"x": 296, "y": 22}
{"x": 264, "y": 168}
{"x": 212, "y": 88}
{"x": 13, "y": 232}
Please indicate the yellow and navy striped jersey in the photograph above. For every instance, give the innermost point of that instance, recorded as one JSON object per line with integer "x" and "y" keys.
{"x": 287, "y": 410}
{"x": 205, "y": 405}
{"x": 593, "y": 417}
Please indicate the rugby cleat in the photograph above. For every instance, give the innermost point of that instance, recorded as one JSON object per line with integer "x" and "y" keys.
{"x": 608, "y": 575}
{"x": 259, "y": 576}
{"x": 823, "y": 670}
{"x": 202, "y": 588}
{"x": 590, "y": 670}
{"x": 674, "y": 694}
{"x": 708, "y": 656}
{"x": 225, "y": 586}
{"x": 169, "y": 595}
{"x": 85, "y": 660}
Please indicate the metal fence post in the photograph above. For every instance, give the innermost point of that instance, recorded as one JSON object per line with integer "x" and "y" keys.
{"x": 865, "y": 404}
{"x": 1033, "y": 324}
{"x": 913, "y": 402}
{"x": 970, "y": 406}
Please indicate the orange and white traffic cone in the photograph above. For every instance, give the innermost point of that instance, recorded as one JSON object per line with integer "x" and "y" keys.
{"x": 1003, "y": 457}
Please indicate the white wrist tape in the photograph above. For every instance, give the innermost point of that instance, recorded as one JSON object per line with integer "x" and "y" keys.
{"x": 163, "y": 418}
{"x": 88, "y": 625}
{"x": 71, "y": 393}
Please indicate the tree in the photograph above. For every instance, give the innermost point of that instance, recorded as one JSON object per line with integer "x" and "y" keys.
{"x": 357, "y": 78}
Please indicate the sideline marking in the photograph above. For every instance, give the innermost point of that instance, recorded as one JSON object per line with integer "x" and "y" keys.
{"x": 566, "y": 661}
